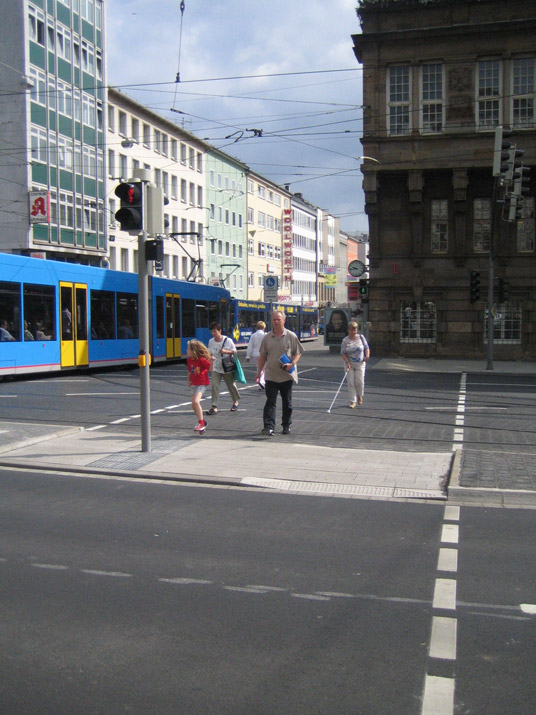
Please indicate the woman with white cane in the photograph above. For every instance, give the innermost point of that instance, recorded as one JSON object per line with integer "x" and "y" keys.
{"x": 355, "y": 352}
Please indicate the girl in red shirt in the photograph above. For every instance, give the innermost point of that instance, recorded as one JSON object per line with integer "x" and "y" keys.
{"x": 199, "y": 363}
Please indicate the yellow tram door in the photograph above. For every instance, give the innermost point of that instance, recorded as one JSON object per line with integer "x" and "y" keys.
{"x": 173, "y": 325}
{"x": 73, "y": 325}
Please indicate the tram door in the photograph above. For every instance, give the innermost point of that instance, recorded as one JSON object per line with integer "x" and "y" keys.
{"x": 173, "y": 325}
{"x": 73, "y": 325}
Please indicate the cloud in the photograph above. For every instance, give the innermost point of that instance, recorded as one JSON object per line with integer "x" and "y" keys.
{"x": 232, "y": 38}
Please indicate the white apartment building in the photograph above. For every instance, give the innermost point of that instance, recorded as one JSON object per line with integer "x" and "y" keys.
{"x": 305, "y": 252}
{"x": 138, "y": 138}
{"x": 265, "y": 205}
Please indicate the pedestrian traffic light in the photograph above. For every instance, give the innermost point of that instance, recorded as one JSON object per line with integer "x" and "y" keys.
{"x": 504, "y": 291}
{"x": 130, "y": 215}
{"x": 474, "y": 286}
{"x": 363, "y": 287}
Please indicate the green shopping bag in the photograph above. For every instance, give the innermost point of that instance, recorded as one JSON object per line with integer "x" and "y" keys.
{"x": 239, "y": 373}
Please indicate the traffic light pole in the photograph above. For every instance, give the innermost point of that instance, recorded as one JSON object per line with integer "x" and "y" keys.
{"x": 144, "y": 357}
{"x": 491, "y": 272}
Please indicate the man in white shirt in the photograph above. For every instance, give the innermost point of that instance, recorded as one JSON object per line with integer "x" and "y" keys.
{"x": 280, "y": 377}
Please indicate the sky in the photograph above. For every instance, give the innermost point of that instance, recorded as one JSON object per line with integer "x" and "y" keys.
{"x": 284, "y": 68}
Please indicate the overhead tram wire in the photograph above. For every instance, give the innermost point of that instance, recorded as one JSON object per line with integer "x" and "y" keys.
{"x": 178, "y": 77}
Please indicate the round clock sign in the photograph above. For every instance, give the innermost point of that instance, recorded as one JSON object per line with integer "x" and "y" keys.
{"x": 356, "y": 268}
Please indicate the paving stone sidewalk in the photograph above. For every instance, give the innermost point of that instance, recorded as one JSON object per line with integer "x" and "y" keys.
{"x": 497, "y": 470}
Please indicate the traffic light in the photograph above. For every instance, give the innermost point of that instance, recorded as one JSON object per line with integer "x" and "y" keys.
{"x": 500, "y": 151}
{"x": 363, "y": 287}
{"x": 513, "y": 162}
{"x": 130, "y": 215}
{"x": 154, "y": 249}
{"x": 504, "y": 291}
{"x": 474, "y": 286}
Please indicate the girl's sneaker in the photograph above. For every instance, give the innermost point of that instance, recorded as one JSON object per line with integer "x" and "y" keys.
{"x": 201, "y": 427}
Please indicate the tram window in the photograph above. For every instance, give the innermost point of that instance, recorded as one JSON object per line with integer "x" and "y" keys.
{"x": 160, "y": 317}
{"x": 213, "y": 312}
{"x": 188, "y": 318}
{"x": 102, "y": 315}
{"x": 201, "y": 314}
{"x": 127, "y": 316}
{"x": 39, "y": 313}
{"x": 10, "y": 311}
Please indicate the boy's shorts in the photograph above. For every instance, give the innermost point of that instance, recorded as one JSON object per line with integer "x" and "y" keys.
{"x": 198, "y": 388}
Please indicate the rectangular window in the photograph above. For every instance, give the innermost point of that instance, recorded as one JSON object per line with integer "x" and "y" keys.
{"x": 36, "y": 22}
{"x": 432, "y": 99}
{"x": 488, "y": 93}
{"x": 262, "y": 250}
{"x": 481, "y": 225}
{"x": 439, "y": 229}
{"x": 506, "y": 326}
{"x": 418, "y": 322}
{"x": 524, "y": 92}
{"x": 127, "y": 316}
{"x": 398, "y": 100}
{"x": 250, "y": 247}
{"x": 102, "y": 315}
{"x": 525, "y": 226}
{"x": 146, "y": 135}
{"x": 261, "y": 191}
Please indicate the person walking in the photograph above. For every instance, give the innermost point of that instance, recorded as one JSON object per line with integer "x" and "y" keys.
{"x": 253, "y": 350}
{"x": 199, "y": 363}
{"x": 280, "y": 352}
{"x": 355, "y": 352}
{"x": 219, "y": 345}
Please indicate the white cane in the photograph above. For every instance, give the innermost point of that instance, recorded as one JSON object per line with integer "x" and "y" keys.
{"x": 336, "y": 394}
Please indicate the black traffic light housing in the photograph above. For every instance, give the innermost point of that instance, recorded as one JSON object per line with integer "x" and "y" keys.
{"x": 504, "y": 291}
{"x": 130, "y": 215}
{"x": 154, "y": 249}
{"x": 501, "y": 151}
{"x": 474, "y": 286}
{"x": 363, "y": 287}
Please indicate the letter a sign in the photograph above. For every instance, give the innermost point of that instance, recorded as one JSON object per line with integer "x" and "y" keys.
{"x": 39, "y": 207}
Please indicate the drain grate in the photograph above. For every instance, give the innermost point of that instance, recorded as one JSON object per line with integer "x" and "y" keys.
{"x": 130, "y": 459}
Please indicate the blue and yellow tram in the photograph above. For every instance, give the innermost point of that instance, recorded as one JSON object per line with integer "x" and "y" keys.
{"x": 245, "y": 314}
{"x": 56, "y": 316}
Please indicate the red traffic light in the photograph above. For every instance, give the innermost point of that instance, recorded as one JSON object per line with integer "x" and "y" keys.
{"x": 129, "y": 193}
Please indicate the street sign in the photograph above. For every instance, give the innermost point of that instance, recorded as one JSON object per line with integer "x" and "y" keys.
{"x": 271, "y": 285}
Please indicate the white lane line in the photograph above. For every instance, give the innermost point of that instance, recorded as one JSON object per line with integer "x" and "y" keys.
{"x": 53, "y": 567}
{"x": 448, "y": 560}
{"x": 244, "y": 589}
{"x": 445, "y": 594}
{"x": 119, "y": 421}
{"x": 100, "y": 394}
{"x": 438, "y": 696}
{"x": 450, "y": 534}
{"x": 452, "y": 513}
{"x": 267, "y": 588}
{"x": 92, "y": 429}
{"x": 443, "y": 640}
{"x": 8, "y": 395}
{"x": 335, "y": 594}
{"x": 115, "y": 574}
{"x": 310, "y": 596}
{"x": 185, "y": 581}
{"x": 528, "y": 608}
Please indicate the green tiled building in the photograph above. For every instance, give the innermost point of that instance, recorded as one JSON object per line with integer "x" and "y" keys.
{"x": 52, "y": 174}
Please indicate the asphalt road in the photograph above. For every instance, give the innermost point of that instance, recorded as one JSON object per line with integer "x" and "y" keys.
{"x": 147, "y": 598}
{"x": 402, "y": 411}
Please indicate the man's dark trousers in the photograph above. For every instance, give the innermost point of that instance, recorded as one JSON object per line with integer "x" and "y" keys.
{"x": 271, "y": 390}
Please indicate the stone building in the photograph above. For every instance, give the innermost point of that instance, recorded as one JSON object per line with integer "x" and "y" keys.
{"x": 439, "y": 77}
